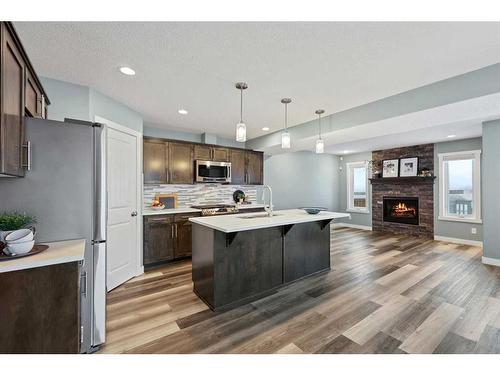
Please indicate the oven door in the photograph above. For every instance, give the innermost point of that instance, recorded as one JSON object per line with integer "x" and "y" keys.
{"x": 213, "y": 171}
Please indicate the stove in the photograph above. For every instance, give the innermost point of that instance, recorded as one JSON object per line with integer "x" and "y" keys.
{"x": 216, "y": 209}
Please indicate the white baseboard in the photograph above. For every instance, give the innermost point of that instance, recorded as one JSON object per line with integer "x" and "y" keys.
{"x": 491, "y": 261}
{"x": 356, "y": 226}
{"x": 459, "y": 241}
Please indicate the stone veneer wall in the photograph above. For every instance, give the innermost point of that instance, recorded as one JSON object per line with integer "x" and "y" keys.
{"x": 189, "y": 195}
{"x": 423, "y": 190}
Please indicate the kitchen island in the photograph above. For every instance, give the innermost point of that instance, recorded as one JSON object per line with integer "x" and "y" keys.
{"x": 240, "y": 258}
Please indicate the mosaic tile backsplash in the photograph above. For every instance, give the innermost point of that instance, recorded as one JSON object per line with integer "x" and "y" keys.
{"x": 189, "y": 195}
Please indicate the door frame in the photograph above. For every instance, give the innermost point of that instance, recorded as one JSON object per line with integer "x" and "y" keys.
{"x": 113, "y": 125}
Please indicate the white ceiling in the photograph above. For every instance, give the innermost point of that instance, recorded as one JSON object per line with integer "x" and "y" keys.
{"x": 332, "y": 65}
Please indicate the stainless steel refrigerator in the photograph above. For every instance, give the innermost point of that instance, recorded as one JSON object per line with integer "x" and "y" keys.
{"x": 65, "y": 189}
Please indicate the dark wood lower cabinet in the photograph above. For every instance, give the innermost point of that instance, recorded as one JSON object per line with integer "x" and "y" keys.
{"x": 158, "y": 239}
{"x": 40, "y": 310}
{"x": 167, "y": 238}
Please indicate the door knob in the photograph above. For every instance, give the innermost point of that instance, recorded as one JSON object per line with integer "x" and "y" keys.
{"x": 134, "y": 213}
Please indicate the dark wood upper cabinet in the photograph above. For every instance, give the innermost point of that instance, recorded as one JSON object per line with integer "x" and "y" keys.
{"x": 202, "y": 152}
{"x": 172, "y": 162}
{"x": 220, "y": 154}
{"x": 155, "y": 162}
{"x": 21, "y": 94}
{"x": 12, "y": 122}
{"x": 180, "y": 163}
{"x": 238, "y": 167}
{"x": 255, "y": 165}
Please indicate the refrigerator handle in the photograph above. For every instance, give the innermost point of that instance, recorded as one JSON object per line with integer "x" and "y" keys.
{"x": 29, "y": 156}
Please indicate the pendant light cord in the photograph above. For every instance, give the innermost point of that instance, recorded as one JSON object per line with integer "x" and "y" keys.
{"x": 286, "y": 115}
{"x": 319, "y": 126}
{"x": 241, "y": 105}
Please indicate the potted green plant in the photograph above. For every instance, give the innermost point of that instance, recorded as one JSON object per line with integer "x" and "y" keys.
{"x": 10, "y": 222}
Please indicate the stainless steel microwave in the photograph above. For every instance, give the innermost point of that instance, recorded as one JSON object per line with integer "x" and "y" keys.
{"x": 213, "y": 171}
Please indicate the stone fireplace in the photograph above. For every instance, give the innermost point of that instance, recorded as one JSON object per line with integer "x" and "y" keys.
{"x": 402, "y": 210}
{"x": 404, "y": 205}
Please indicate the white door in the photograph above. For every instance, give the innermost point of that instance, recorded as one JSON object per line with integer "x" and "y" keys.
{"x": 122, "y": 238}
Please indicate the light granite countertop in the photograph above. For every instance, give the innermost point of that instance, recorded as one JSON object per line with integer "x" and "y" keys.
{"x": 238, "y": 222}
{"x": 57, "y": 253}
{"x": 184, "y": 210}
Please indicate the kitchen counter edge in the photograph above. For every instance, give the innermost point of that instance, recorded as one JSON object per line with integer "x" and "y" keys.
{"x": 58, "y": 252}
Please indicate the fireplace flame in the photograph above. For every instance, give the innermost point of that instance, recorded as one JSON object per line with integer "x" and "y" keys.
{"x": 401, "y": 209}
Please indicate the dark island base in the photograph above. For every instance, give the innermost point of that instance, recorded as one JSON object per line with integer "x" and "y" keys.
{"x": 232, "y": 269}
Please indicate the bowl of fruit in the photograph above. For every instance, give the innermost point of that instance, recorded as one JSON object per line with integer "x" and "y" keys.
{"x": 157, "y": 205}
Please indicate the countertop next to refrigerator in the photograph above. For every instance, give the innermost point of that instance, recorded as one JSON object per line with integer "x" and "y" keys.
{"x": 57, "y": 253}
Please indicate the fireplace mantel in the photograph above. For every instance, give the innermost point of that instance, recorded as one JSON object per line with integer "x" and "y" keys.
{"x": 403, "y": 180}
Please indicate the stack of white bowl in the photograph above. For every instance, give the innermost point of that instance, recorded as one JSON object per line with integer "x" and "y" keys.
{"x": 19, "y": 242}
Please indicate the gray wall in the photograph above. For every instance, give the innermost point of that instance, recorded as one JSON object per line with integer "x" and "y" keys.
{"x": 67, "y": 100}
{"x": 302, "y": 179}
{"x": 155, "y": 130}
{"x": 356, "y": 218}
{"x": 491, "y": 182}
{"x": 452, "y": 228}
{"x": 84, "y": 103}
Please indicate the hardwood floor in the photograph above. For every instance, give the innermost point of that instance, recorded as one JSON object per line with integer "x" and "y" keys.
{"x": 384, "y": 294}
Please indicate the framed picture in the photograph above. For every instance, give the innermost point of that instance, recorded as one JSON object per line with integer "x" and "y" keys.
{"x": 408, "y": 167}
{"x": 390, "y": 168}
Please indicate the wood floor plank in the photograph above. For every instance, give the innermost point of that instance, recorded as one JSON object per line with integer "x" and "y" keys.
{"x": 378, "y": 320}
{"x": 384, "y": 293}
{"x": 432, "y": 331}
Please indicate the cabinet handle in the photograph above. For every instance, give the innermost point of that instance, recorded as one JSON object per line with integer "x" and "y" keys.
{"x": 176, "y": 235}
{"x": 172, "y": 232}
{"x": 27, "y": 146}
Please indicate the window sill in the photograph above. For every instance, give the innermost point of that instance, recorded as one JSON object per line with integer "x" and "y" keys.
{"x": 357, "y": 211}
{"x": 460, "y": 220}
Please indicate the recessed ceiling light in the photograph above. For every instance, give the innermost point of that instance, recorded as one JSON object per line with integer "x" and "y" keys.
{"x": 451, "y": 136}
{"x": 182, "y": 112}
{"x": 265, "y": 128}
{"x": 127, "y": 71}
{"x": 345, "y": 151}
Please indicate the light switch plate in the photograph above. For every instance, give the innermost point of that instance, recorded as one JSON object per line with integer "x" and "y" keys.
{"x": 473, "y": 230}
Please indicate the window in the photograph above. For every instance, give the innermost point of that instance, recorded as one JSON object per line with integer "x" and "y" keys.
{"x": 357, "y": 187}
{"x": 459, "y": 186}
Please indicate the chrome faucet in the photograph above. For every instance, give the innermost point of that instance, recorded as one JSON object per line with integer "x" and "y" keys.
{"x": 269, "y": 208}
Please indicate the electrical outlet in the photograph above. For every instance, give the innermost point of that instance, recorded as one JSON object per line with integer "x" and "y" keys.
{"x": 473, "y": 230}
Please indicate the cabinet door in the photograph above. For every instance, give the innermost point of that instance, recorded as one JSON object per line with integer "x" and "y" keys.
{"x": 180, "y": 163}
{"x": 183, "y": 240}
{"x": 155, "y": 162}
{"x": 158, "y": 240}
{"x": 238, "y": 167}
{"x": 220, "y": 154}
{"x": 33, "y": 97}
{"x": 255, "y": 168}
{"x": 202, "y": 152}
{"x": 12, "y": 116}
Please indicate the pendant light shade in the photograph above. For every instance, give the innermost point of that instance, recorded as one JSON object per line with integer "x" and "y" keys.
{"x": 320, "y": 145}
{"x": 285, "y": 135}
{"x": 241, "y": 128}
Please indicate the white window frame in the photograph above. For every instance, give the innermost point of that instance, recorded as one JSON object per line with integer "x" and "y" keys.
{"x": 476, "y": 189}
{"x": 350, "y": 188}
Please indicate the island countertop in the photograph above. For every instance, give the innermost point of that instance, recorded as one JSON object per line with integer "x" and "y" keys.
{"x": 57, "y": 253}
{"x": 242, "y": 222}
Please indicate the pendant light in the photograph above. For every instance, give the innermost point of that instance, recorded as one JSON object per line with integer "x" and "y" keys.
{"x": 241, "y": 128}
{"x": 320, "y": 145}
{"x": 285, "y": 135}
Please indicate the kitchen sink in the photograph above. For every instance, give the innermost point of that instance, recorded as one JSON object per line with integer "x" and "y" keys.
{"x": 257, "y": 216}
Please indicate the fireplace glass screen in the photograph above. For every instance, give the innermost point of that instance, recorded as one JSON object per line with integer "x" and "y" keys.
{"x": 402, "y": 210}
